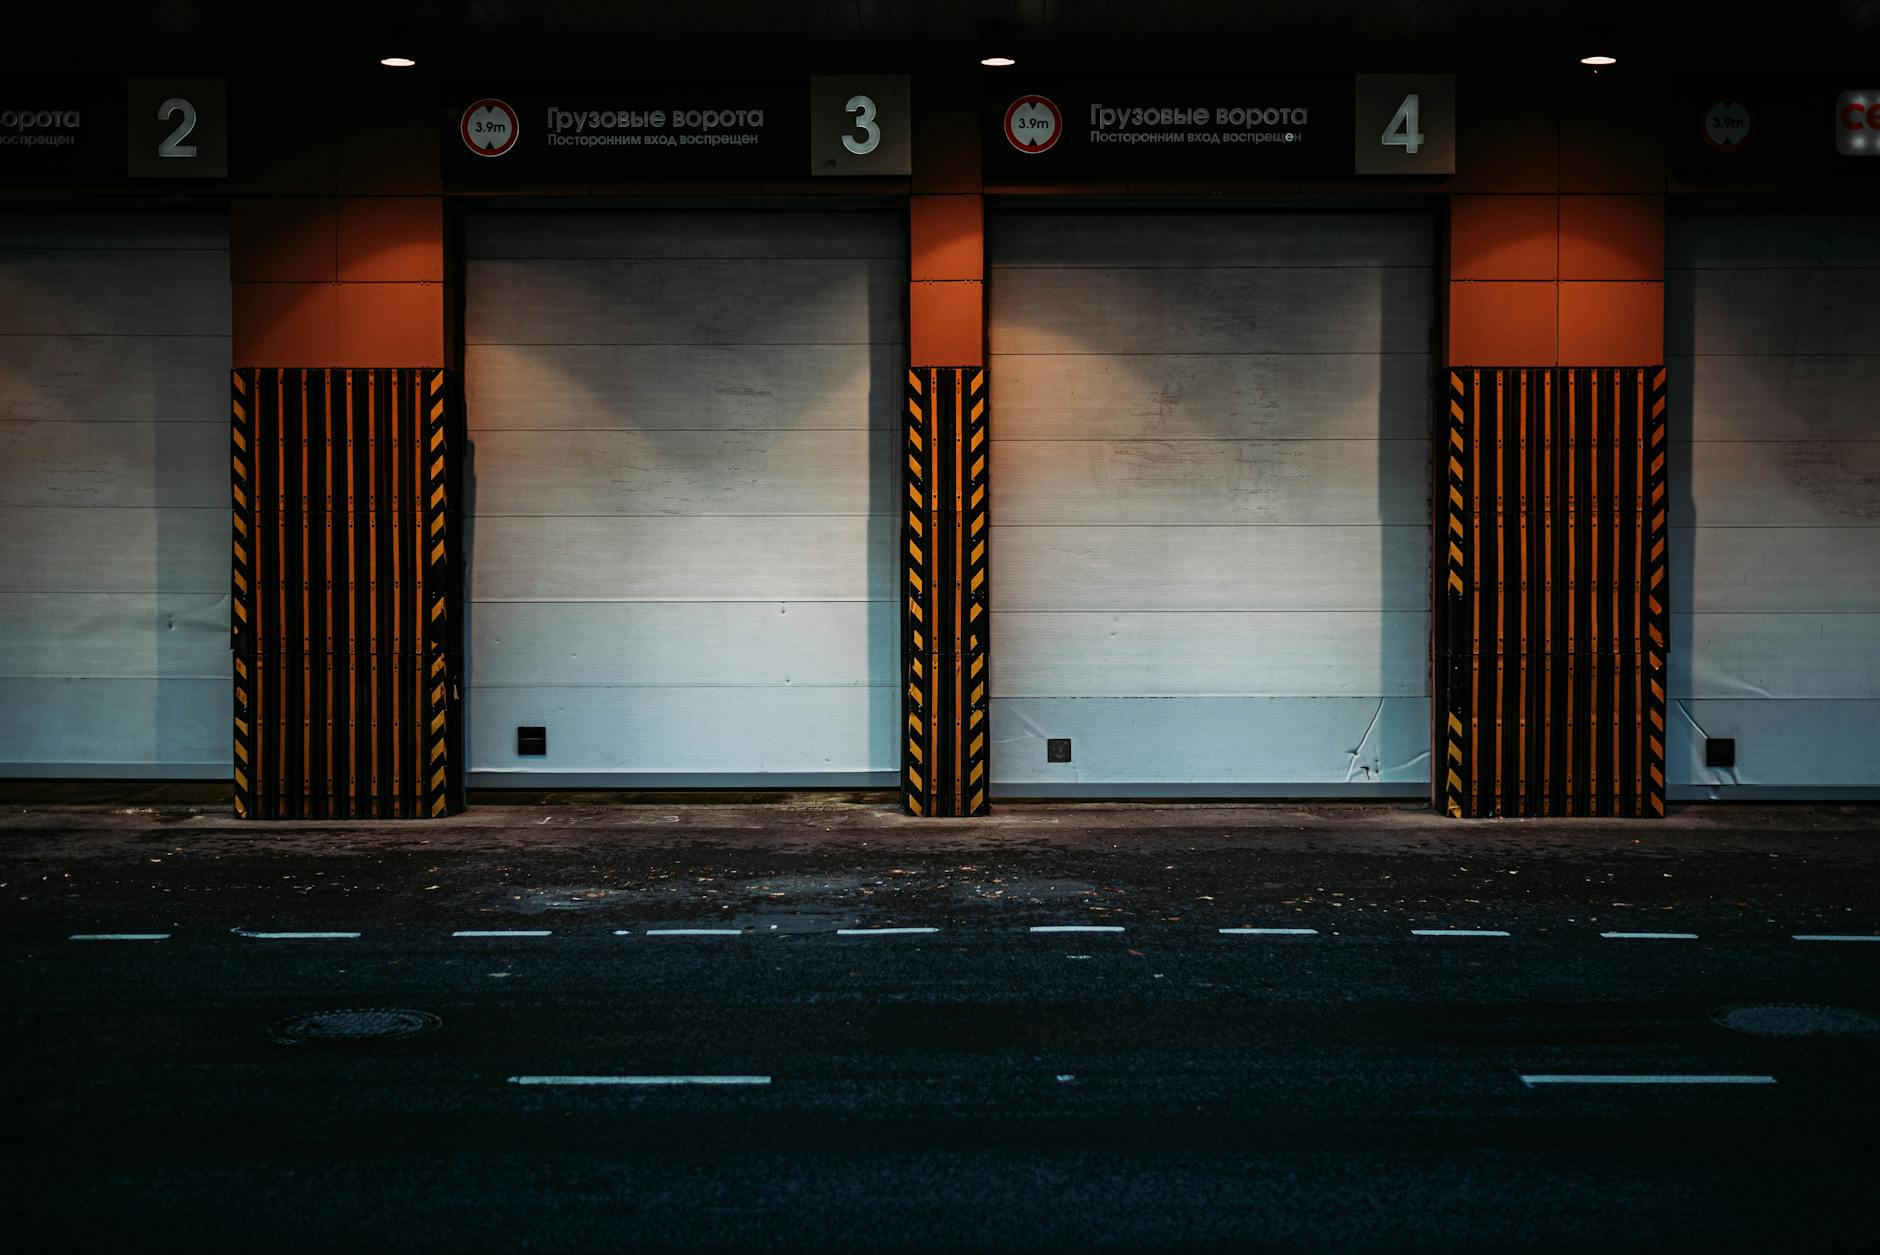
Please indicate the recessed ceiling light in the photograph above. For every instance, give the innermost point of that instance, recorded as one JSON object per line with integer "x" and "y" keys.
{"x": 1599, "y": 60}
{"x": 997, "y": 62}
{"x": 398, "y": 63}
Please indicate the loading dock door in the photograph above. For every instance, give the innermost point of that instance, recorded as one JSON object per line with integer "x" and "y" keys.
{"x": 114, "y": 495}
{"x": 1775, "y": 517}
{"x": 684, "y": 429}
{"x": 1210, "y": 501}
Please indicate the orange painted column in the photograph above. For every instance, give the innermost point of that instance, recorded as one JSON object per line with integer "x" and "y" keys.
{"x": 1557, "y": 227}
{"x": 337, "y": 231}
{"x": 346, "y": 443}
{"x": 946, "y": 741}
{"x": 1549, "y": 534}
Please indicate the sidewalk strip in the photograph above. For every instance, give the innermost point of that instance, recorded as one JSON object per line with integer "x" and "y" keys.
{"x": 1644, "y": 1079}
{"x": 690, "y": 932}
{"x": 1651, "y": 936}
{"x": 1272, "y": 932}
{"x": 1837, "y": 937}
{"x": 1458, "y": 932}
{"x": 503, "y": 932}
{"x": 1077, "y": 928}
{"x": 119, "y": 937}
{"x": 639, "y": 1080}
{"x": 882, "y": 932}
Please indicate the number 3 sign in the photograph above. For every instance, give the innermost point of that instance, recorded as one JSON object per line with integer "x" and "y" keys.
{"x": 859, "y": 125}
{"x": 1406, "y": 124}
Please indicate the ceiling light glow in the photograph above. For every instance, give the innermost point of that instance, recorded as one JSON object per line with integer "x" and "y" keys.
{"x": 398, "y": 63}
{"x": 1599, "y": 60}
{"x": 997, "y": 62}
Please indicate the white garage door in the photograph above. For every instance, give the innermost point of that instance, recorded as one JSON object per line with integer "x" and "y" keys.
{"x": 684, "y": 432}
{"x": 1210, "y": 501}
{"x": 1775, "y": 473}
{"x": 114, "y": 574}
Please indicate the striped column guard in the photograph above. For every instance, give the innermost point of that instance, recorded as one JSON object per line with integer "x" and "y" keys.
{"x": 347, "y": 592}
{"x": 945, "y": 560}
{"x": 1551, "y": 623}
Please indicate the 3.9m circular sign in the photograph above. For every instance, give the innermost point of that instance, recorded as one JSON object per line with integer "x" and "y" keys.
{"x": 489, "y": 128}
{"x": 1033, "y": 124}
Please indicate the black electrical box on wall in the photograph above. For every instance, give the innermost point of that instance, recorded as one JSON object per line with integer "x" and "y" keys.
{"x": 1720, "y": 751}
{"x": 1057, "y": 749}
{"x": 531, "y": 742}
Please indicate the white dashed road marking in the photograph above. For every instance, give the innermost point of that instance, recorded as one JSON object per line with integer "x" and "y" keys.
{"x": 120, "y": 937}
{"x": 1272, "y": 932}
{"x": 1837, "y": 937}
{"x": 639, "y": 1080}
{"x": 243, "y": 932}
{"x": 686, "y": 932}
{"x": 1458, "y": 932}
{"x": 503, "y": 932}
{"x": 1644, "y": 1079}
{"x": 882, "y": 932}
{"x": 1651, "y": 936}
{"x": 1077, "y": 928}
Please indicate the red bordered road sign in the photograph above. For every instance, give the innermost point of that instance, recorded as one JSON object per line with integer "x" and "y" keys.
{"x": 1033, "y": 124}
{"x": 489, "y": 128}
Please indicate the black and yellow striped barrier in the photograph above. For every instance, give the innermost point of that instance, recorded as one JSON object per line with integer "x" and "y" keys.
{"x": 347, "y": 592}
{"x": 1552, "y": 624}
{"x": 945, "y": 559}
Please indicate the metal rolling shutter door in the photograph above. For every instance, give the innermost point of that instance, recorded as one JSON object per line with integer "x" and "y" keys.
{"x": 684, "y": 433}
{"x": 1210, "y": 501}
{"x": 114, "y": 578}
{"x": 1775, "y": 520}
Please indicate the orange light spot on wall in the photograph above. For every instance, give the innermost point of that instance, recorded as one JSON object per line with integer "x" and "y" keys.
{"x": 282, "y": 239}
{"x": 391, "y": 239}
{"x": 1612, "y": 237}
{"x": 947, "y": 237}
{"x": 1503, "y": 237}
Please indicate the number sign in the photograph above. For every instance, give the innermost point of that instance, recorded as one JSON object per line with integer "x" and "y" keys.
{"x": 858, "y": 125}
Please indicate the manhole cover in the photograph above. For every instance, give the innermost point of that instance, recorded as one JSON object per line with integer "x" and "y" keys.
{"x": 1797, "y": 1019}
{"x": 355, "y": 1024}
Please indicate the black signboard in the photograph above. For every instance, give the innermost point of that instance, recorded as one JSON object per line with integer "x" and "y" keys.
{"x": 1049, "y": 131}
{"x": 61, "y": 129}
{"x": 596, "y": 130}
{"x": 1773, "y": 127}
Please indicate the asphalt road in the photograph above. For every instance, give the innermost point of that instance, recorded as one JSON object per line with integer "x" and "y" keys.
{"x": 691, "y": 1033}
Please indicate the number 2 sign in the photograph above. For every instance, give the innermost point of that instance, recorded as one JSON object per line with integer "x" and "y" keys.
{"x": 177, "y": 128}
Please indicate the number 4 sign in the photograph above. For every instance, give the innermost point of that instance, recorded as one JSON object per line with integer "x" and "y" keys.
{"x": 858, "y": 124}
{"x": 1405, "y": 124}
